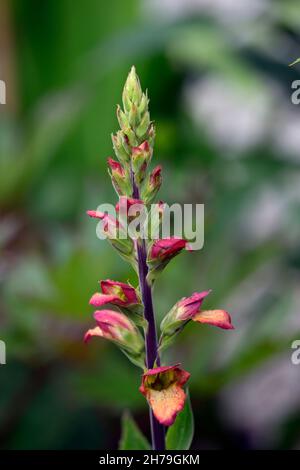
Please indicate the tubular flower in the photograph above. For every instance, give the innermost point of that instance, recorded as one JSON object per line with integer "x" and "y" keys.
{"x": 163, "y": 388}
{"x": 189, "y": 308}
{"x": 116, "y": 327}
{"x": 117, "y": 293}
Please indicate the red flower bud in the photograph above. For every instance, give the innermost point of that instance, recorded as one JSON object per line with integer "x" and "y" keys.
{"x": 153, "y": 184}
{"x": 167, "y": 248}
{"x": 115, "y": 167}
{"x": 155, "y": 179}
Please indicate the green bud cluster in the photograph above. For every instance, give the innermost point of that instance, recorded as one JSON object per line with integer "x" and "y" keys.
{"x": 133, "y": 143}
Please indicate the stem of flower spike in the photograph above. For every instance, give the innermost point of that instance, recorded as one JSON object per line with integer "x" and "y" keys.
{"x": 157, "y": 429}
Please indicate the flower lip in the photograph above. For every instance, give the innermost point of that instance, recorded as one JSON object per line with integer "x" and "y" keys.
{"x": 220, "y": 318}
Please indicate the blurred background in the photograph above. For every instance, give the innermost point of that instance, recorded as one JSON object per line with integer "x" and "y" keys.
{"x": 227, "y": 136}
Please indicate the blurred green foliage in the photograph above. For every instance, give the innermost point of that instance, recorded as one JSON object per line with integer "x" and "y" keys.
{"x": 69, "y": 61}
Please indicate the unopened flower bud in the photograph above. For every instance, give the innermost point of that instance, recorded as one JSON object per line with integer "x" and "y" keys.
{"x": 121, "y": 147}
{"x": 122, "y": 118}
{"x": 141, "y": 156}
{"x": 141, "y": 130}
{"x": 119, "y": 177}
{"x": 132, "y": 92}
{"x": 153, "y": 185}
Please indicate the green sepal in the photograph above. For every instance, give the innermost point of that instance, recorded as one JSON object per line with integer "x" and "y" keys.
{"x": 121, "y": 147}
{"x": 120, "y": 183}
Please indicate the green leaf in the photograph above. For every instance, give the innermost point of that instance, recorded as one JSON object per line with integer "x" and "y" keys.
{"x": 132, "y": 438}
{"x": 180, "y": 435}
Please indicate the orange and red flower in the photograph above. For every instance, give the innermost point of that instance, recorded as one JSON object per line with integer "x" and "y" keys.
{"x": 189, "y": 308}
{"x": 163, "y": 388}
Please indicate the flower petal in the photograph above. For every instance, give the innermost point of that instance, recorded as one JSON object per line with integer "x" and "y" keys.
{"x": 125, "y": 292}
{"x": 113, "y": 319}
{"x": 219, "y": 318}
{"x": 189, "y": 306}
{"x": 96, "y": 214}
{"x": 93, "y": 332}
{"x": 166, "y": 403}
{"x": 167, "y": 247}
{"x": 97, "y": 300}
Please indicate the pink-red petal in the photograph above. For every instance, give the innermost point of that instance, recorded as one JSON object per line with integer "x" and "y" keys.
{"x": 98, "y": 300}
{"x": 93, "y": 332}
